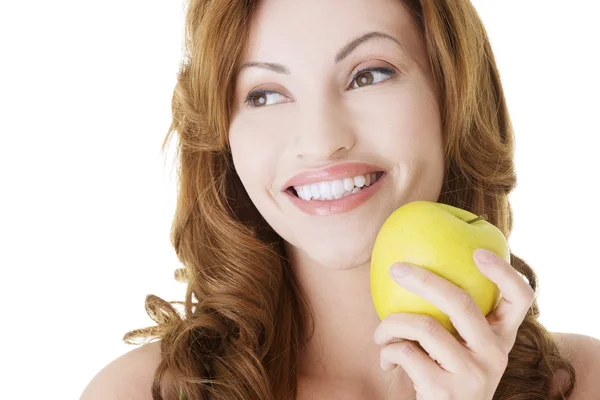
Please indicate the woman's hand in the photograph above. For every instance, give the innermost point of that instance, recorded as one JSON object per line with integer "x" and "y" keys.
{"x": 467, "y": 368}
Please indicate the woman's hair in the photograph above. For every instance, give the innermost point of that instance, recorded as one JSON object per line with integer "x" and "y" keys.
{"x": 241, "y": 327}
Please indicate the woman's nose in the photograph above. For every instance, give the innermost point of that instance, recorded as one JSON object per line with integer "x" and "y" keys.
{"x": 323, "y": 132}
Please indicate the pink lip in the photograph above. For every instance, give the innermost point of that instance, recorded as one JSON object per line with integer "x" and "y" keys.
{"x": 339, "y": 206}
{"x": 338, "y": 171}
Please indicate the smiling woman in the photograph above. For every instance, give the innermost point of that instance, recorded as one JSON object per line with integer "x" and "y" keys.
{"x": 302, "y": 127}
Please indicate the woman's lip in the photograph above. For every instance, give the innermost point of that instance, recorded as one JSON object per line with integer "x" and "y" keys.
{"x": 339, "y": 206}
{"x": 334, "y": 172}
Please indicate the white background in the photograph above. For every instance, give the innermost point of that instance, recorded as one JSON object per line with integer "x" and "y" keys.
{"x": 87, "y": 198}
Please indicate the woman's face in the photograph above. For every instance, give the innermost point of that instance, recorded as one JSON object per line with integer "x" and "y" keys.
{"x": 320, "y": 112}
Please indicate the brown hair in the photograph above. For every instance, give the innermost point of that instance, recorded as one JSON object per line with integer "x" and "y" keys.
{"x": 241, "y": 329}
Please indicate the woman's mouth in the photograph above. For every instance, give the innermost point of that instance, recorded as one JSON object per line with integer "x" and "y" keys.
{"x": 336, "y": 189}
{"x": 335, "y": 197}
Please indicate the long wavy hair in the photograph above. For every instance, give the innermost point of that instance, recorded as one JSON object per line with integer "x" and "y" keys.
{"x": 240, "y": 328}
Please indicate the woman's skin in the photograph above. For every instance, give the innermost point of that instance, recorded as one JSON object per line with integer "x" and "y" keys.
{"x": 321, "y": 116}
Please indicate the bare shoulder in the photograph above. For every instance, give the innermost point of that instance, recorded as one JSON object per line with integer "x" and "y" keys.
{"x": 127, "y": 377}
{"x": 584, "y": 352}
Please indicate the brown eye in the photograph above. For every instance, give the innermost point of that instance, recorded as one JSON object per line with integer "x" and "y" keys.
{"x": 259, "y": 98}
{"x": 368, "y": 76}
{"x": 364, "y": 78}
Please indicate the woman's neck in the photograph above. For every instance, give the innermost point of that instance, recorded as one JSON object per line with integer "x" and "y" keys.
{"x": 341, "y": 352}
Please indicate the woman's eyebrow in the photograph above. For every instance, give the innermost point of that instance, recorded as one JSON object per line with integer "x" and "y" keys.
{"x": 342, "y": 53}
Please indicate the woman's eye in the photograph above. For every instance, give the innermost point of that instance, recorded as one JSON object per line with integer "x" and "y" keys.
{"x": 364, "y": 77}
{"x": 259, "y": 98}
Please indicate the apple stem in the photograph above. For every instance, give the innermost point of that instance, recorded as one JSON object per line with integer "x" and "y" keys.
{"x": 477, "y": 219}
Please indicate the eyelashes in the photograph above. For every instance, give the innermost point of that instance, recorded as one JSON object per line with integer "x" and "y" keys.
{"x": 258, "y": 94}
{"x": 262, "y": 95}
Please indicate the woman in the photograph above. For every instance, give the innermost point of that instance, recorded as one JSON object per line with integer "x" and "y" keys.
{"x": 400, "y": 102}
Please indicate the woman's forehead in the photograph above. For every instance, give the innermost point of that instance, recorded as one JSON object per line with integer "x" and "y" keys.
{"x": 323, "y": 26}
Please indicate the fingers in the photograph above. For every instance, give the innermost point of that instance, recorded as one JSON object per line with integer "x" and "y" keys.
{"x": 489, "y": 338}
{"x": 517, "y": 295}
{"x": 460, "y": 307}
{"x": 420, "y": 368}
{"x": 440, "y": 345}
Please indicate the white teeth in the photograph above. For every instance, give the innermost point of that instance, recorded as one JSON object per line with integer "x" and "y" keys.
{"x": 338, "y": 189}
{"x": 305, "y": 192}
{"x": 348, "y": 184}
{"x": 359, "y": 181}
{"x": 330, "y": 190}
{"x": 325, "y": 188}
{"x": 314, "y": 190}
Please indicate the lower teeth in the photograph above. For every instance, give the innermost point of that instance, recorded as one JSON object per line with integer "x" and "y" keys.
{"x": 355, "y": 190}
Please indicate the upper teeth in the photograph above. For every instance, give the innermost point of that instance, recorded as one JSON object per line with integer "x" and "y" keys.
{"x": 329, "y": 190}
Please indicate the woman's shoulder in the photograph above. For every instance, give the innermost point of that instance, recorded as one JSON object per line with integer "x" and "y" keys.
{"x": 584, "y": 352}
{"x": 128, "y": 376}
{"x": 131, "y": 375}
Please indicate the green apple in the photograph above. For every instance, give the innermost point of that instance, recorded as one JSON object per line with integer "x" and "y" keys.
{"x": 442, "y": 239}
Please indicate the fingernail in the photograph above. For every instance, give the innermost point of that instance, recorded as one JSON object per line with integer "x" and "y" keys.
{"x": 399, "y": 270}
{"x": 484, "y": 255}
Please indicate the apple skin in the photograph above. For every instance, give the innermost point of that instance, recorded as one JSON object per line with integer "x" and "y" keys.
{"x": 436, "y": 237}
